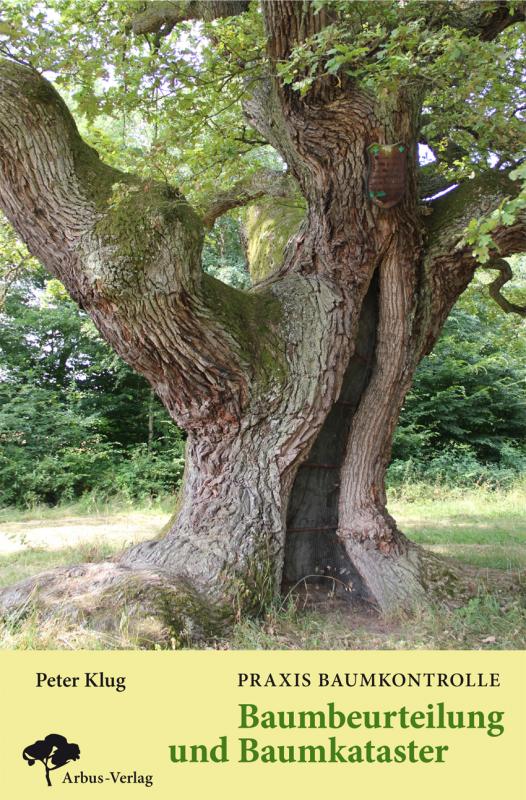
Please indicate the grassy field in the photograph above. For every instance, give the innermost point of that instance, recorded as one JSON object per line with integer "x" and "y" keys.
{"x": 479, "y": 527}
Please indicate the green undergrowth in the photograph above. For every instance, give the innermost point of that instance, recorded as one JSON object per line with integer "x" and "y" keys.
{"x": 484, "y": 623}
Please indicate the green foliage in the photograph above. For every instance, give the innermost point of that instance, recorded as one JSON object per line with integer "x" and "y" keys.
{"x": 223, "y": 255}
{"x": 464, "y": 420}
{"x": 416, "y": 46}
{"x": 458, "y": 465}
{"x": 73, "y": 417}
{"x": 165, "y": 107}
{"x": 478, "y": 232}
{"x": 16, "y": 263}
{"x": 169, "y": 107}
{"x": 147, "y": 471}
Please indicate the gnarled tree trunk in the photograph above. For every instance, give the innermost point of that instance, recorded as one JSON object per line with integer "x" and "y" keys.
{"x": 290, "y": 393}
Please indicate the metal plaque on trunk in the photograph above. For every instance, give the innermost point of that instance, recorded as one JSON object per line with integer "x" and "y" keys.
{"x": 387, "y": 173}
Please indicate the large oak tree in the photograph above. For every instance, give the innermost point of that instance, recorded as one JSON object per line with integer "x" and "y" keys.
{"x": 289, "y": 392}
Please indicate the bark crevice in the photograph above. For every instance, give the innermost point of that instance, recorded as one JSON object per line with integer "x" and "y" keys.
{"x": 312, "y": 544}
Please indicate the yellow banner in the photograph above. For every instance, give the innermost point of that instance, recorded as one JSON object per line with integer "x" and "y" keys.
{"x": 263, "y": 724}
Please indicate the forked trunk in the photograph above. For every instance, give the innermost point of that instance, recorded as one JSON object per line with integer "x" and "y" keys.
{"x": 259, "y": 506}
{"x": 290, "y": 393}
{"x": 250, "y": 518}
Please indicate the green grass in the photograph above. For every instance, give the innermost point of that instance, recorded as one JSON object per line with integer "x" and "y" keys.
{"x": 17, "y": 566}
{"x": 88, "y": 506}
{"x": 480, "y": 527}
{"x": 475, "y": 512}
{"x": 484, "y": 623}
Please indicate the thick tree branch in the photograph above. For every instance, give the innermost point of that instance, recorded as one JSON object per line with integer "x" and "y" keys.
{"x": 431, "y": 182}
{"x": 80, "y": 217}
{"x": 270, "y": 183}
{"x": 484, "y": 19}
{"x": 161, "y": 17}
{"x": 494, "y": 288}
{"x": 263, "y": 112}
{"x": 449, "y": 264}
{"x": 472, "y": 199}
{"x": 127, "y": 250}
{"x": 497, "y": 20}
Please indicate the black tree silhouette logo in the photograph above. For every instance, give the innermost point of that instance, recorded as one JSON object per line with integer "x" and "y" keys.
{"x": 54, "y": 751}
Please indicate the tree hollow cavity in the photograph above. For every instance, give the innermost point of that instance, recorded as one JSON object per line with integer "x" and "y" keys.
{"x": 312, "y": 548}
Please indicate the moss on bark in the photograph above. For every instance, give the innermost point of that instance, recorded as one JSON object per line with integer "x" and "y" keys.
{"x": 453, "y": 211}
{"x": 253, "y": 320}
{"x": 149, "y": 606}
{"x": 269, "y": 226}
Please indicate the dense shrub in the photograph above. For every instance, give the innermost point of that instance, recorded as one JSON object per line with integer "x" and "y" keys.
{"x": 49, "y": 454}
{"x": 457, "y": 465}
{"x": 464, "y": 420}
{"x": 73, "y": 418}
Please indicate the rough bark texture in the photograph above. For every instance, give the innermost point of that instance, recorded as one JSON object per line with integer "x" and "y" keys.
{"x": 290, "y": 393}
{"x": 313, "y": 547}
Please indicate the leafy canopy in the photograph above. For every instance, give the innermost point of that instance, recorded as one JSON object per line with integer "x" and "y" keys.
{"x": 177, "y": 98}
{"x": 166, "y": 107}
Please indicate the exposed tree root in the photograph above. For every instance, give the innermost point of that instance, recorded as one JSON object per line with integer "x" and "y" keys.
{"x": 107, "y": 597}
{"x": 410, "y": 577}
{"x": 446, "y": 580}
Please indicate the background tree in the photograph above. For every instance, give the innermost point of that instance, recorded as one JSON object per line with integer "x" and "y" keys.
{"x": 314, "y": 362}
